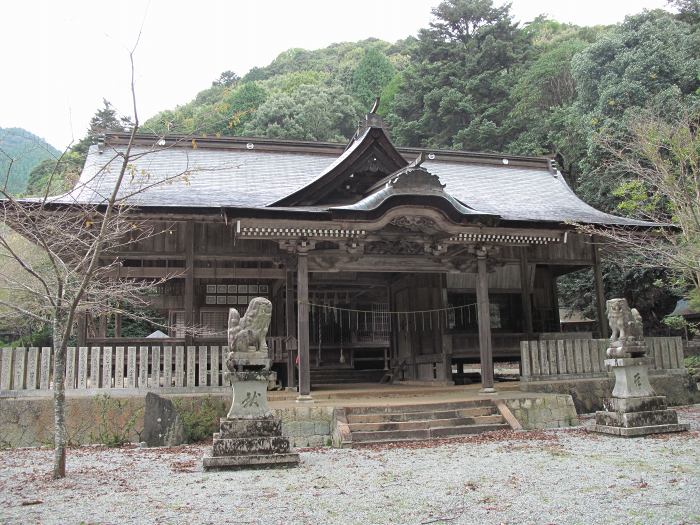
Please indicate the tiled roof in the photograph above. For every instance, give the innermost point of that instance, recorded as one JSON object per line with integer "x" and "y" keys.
{"x": 199, "y": 177}
{"x": 215, "y": 177}
{"x": 517, "y": 193}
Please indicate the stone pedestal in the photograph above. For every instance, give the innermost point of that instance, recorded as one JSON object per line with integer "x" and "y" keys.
{"x": 634, "y": 409}
{"x": 631, "y": 377}
{"x": 250, "y": 436}
{"x": 249, "y": 394}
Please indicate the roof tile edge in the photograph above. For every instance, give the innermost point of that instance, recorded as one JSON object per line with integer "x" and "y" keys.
{"x": 327, "y": 148}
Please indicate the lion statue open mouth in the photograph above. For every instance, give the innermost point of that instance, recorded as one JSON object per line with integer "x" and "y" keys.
{"x": 246, "y": 335}
{"x": 627, "y": 329}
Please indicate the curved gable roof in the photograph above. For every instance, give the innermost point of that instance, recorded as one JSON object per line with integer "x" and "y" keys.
{"x": 372, "y": 142}
{"x": 263, "y": 174}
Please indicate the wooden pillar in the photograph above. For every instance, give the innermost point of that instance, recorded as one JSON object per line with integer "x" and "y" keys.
{"x": 117, "y": 325}
{"x": 102, "y": 327}
{"x": 446, "y": 341}
{"x": 483, "y": 305}
{"x": 82, "y": 329}
{"x": 189, "y": 282}
{"x": 303, "y": 327}
{"x": 599, "y": 293}
{"x": 526, "y": 293}
{"x": 291, "y": 329}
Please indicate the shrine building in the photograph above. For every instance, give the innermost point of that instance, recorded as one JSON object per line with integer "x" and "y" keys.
{"x": 379, "y": 261}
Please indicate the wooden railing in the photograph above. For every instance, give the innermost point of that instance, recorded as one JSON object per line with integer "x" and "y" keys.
{"x": 576, "y": 358}
{"x": 155, "y": 367}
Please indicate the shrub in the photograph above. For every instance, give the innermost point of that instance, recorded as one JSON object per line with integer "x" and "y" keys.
{"x": 116, "y": 423}
{"x": 200, "y": 416}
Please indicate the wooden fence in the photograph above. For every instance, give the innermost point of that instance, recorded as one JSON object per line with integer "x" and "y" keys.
{"x": 570, "y": 359}
{"x": 157, "y": 367}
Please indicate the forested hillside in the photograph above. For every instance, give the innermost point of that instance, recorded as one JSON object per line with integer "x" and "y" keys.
{"x": 20, "y": 152}
{"x": 472, "y": 80}
{"x": 476, "y": 80}
{"x": 306, "y": 95}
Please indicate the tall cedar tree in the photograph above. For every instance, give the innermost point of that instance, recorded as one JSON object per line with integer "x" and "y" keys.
{"x": 456, "y": 93}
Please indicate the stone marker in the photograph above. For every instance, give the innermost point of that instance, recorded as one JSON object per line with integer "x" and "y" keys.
{"x": 634, "y": 409}
{"x": 162, "y": 426}
{"x": 249, "y": 436}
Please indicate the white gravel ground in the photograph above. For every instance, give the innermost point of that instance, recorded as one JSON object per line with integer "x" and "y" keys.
{"x": 553, "y": 477}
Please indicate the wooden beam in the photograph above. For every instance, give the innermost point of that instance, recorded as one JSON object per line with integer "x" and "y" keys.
{"x": 82, "y": 329}
{"x": 507, "y": 414}
{"x": 199, "y": 273}
{"x": 484, "y": 308}
{"x": 102, "y": 326}
{"x": 599, "y": 293}
{"x": 291, "y": 329}
{"x": 242, "y": 273}
{"x": 526, "y": 292}
{"x": 189, "y": 282}
{"x": 117, "y": 325}
{"x": 303, "y": 327}
{"x": 145, "y": 255}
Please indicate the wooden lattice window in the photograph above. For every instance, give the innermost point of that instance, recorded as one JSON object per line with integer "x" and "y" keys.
{"x": 381, "y": 321}
{"x": 214, "y": 322}
{"x": 176, "y": 323}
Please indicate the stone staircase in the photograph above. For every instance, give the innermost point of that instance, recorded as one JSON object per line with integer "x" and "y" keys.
{"x": 334, "y": 376}
{"x": 389, "y": 424}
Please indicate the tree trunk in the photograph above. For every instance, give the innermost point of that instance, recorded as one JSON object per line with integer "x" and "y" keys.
{"x": 59, "y": 404}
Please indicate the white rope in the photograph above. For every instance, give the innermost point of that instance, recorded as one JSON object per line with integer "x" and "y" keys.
{"x": 397, "y": 312}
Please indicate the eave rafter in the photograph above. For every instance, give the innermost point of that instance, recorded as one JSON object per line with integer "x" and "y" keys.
{"x": 419, "y": 227}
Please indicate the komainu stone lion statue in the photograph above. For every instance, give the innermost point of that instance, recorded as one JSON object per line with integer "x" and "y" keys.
{"x": 625, "y": 322}
{"x": 247, "y": 333}
{"x": 627, "y": 338}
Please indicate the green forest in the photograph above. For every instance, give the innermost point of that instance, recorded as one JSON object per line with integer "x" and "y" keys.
{"x": 477, "y": 80}
{"x": 474, "y": 79}
{"x": 20, "y": 152}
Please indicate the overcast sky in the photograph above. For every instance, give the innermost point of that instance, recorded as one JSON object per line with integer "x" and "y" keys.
{"x": 61, "y": 57}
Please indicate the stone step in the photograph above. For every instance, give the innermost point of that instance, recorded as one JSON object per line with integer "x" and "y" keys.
{"x": 261, "y": 427}
{"x": 345, "y": 375}
{"x": 425, "y": 423}
{"x": 392, "y": 436}
{"x": 422, "y": 421}
{"x": 249, "y": 446}
{"x": 388, "y": 417}
{"x": 465, "y": 430}
{"x": 636, "y": 404}
{"x": 420, "y": 407}
{"x": 637, "y": 419}
{"x": 345, "y": 370}
{"x": 288, "y": 459}
{"x": 344, "y": 381}
{"x": 641, "y": 431}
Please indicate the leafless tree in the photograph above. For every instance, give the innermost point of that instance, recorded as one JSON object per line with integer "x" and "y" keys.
{"x": 661, "y": 160}
{"x": 68, "y": 270}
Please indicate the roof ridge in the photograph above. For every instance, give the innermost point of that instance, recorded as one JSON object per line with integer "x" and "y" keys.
{"x": 304, "y": 146}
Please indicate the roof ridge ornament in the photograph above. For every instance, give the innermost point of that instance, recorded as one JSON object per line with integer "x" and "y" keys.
{"x": 372, "y": 120}
{"x": 415, "y": 165}
{"x": 413, "y": 178}
{"x": 420, "y": 159}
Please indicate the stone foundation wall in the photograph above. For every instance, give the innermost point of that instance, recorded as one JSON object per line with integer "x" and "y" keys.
{"x": 544, "y": 411}
{"x": 307, "y": 426}
{"x": 588, "y": 394}
{"x": 28, "y": 421}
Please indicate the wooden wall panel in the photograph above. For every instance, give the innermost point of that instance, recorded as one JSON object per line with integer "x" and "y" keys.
{"x": 505, "y": 277}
